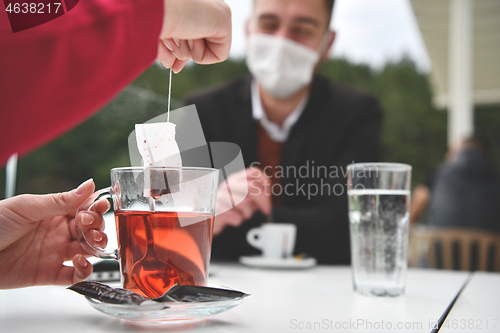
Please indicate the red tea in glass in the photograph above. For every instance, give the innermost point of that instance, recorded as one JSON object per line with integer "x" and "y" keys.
{"x": 176, "y": 254}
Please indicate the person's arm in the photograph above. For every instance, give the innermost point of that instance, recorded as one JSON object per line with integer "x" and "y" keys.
{"x": 55, "y": 75}
{"x": 419, "y": 200}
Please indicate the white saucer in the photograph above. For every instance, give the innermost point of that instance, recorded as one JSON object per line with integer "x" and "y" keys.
{"x": 289, "y": 263}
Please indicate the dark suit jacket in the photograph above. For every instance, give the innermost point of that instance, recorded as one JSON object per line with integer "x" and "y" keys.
{"x": 465, "y": 193}
{"x": 337, "y": 127}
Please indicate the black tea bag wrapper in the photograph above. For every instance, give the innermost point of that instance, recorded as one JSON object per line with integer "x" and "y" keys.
{"x": 107, "y": 294}
{"x": 181, "y": 293}
{"x": 177, "y": 293}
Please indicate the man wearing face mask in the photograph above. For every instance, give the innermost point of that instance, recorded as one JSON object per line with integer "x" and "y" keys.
{"x": 297, "y": 131}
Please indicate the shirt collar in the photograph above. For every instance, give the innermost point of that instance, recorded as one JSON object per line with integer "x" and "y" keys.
{"x": 276, "y": 132}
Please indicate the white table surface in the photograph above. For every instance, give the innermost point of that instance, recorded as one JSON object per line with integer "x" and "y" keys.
{"x": 317, "y": 299}
{"x": 478, "y": 307}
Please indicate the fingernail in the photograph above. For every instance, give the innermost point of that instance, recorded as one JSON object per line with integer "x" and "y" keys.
{"x": 190, "y": 44}
{"x": 167, "y": 44}
{"x": 176, "y": 40}
{"x": 83, "y": 187}
{"x": 97, "y": 236}
{"x": 82, "y": 261}
{"x": 87, "y": 219}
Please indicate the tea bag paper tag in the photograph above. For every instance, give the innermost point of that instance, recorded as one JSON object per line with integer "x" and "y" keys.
{"x": 157, "y": 145}
{"x": 158, "y": 148}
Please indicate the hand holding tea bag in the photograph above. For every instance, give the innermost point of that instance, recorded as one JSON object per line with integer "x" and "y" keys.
{"x": 196, "y": 29}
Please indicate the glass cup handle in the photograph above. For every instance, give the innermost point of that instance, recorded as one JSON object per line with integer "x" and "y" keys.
{"x": 105, "y": 193}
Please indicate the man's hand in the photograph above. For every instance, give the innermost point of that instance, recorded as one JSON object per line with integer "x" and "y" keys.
{"x": 194, "y": 29}
{"x": 251, "y": 180}
{"x": 37, "y": 234}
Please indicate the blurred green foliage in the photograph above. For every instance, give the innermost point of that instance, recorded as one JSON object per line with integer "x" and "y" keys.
{"x": 414, "y": 131}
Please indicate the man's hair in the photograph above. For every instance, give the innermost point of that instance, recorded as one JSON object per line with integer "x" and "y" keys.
{"x": 329, "y": 5}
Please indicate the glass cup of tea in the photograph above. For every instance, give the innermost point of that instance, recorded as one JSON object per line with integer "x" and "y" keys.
{"x": 164, "y": 220}
{"x": 379, "y": 202}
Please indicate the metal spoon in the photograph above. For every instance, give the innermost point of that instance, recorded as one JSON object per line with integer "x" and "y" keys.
{"x": 151, "y": 274}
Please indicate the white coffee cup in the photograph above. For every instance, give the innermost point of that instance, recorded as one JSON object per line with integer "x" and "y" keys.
{"x": 275, "y": 240}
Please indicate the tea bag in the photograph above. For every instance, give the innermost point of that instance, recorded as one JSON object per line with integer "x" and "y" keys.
{"x": 158, "y": 148}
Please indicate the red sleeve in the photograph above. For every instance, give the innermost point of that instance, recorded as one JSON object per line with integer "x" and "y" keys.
{"x": 55, "y": 75}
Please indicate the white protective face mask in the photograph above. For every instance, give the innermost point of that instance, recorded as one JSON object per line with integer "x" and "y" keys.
{"x": 281, "y": 65}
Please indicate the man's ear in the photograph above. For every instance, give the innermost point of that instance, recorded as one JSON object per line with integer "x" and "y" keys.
{"x": 330, "y": 39}
{"x": 247, "y": 31}
{"x": 247, "y": 26}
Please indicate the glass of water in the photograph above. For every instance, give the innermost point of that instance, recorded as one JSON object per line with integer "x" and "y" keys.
{"x": 379, "y": 202}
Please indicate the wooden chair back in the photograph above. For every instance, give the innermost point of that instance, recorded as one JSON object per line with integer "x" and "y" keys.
{"x": 459, "y": 249}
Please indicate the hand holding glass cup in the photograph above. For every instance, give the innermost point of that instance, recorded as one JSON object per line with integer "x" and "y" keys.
{"x": 164, "y": 220}
{"x": 379, "y": 201}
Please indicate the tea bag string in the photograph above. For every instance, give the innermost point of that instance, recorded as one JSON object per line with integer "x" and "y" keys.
{"x": 169, "y": 93}
{"x": 152, "y": 201}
